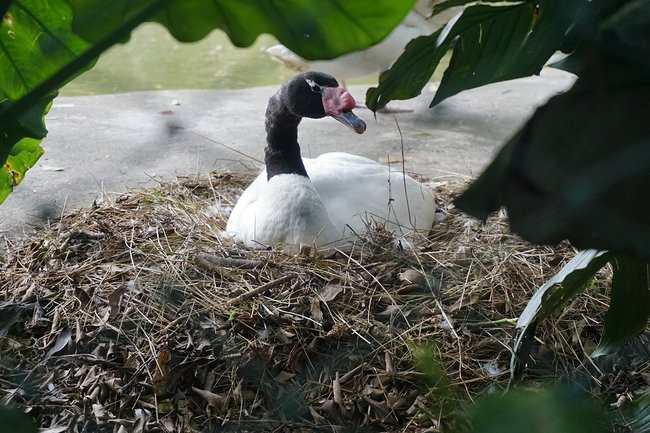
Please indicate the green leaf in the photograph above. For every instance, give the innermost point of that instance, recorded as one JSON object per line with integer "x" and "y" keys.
{"x": 36, "y": 40}
{"x": 590, "y": 185}
{"x": 570, "y": 280}
{"x": 580, "y": 167}
{"x": 496, "y": 41}
{"x": 15, "y": 421}
{"x": 313, "y": 29}
{"x": 20, "y": 145}
{"x": 634, "y": 415}
{"x": 553, "y": 295}
{"x": 409, "y": 74}
{"x": 629, "y": 307}
{"x": 505, "y": 42}
{"x": 444, "y": 5}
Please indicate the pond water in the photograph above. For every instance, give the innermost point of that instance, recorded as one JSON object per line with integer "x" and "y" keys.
{"x": 153, "y": 59}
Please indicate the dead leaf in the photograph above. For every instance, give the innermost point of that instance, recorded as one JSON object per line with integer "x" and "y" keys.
{"x": 212, "y": 399}
{"x": 162, "y": 371}
{"x": 338, "y": 394}
{"x": 380, "y": 406}
{"x": 114, "y": 301}
{"x": 646, "y": 378}
{"x": 318, "y": 419}
{"x": 331, "y": 411}
{"x": 138, "y": 427}
{"x": 462, "y": 302}
{"x": 62, "y": 340}
{"x": 316, "y": 312}
{"x": 388, "y": 360}
{"x": 283, "y": 376}
{"x": 412, "y": 276}
{"x": 330, "y": 291}
{"x": 58, "y": 429}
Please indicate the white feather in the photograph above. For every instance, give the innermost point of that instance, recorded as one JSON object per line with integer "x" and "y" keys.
{"x": 330, "y": 208}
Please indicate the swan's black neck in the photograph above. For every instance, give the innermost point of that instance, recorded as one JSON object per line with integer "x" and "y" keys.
{"x": 282, "y": 153}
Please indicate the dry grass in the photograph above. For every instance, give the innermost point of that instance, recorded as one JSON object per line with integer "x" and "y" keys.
{"x": 136, "y": 315}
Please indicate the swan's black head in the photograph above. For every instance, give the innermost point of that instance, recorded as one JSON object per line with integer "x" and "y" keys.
{"x": 316, "y": 95}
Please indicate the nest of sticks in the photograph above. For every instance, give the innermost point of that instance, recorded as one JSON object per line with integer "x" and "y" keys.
{"x": 137, "y": 315}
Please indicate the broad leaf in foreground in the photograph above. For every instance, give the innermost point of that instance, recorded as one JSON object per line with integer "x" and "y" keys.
{"x": 39, "y": 52}
{"x": 15, "y": 420}
{"x": 580, "y": 167}
{"x": 551, "y": 296}
{"x": 36, "y": 40}
{"x": 548, "y": 410}
{"x": 629, "y": 307}
{"x": 313, "y": 29}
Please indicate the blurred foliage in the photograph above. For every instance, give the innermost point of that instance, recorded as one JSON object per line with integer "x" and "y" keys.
{"x": 547, "y": 408}
{"x": 16, "y": 421}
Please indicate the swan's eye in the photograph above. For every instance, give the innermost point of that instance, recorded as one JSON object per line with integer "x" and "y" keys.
{"x": 316, "y": 88}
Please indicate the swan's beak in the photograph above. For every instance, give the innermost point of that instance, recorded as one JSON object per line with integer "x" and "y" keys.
{"x": 349, "y": 119}
{"x": 338, "y": 103}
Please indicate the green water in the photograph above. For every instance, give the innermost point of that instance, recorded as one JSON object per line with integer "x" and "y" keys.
{"x": 152, "y": 59}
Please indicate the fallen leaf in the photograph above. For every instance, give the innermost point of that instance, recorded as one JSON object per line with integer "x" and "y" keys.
{"x": 114, "y": 301}
{"x": 50, "y": 168}
{"x": 316, "y": 312}
{"x": 412, "y": 276}
{"x": 211, "y": 398}
{"x": 283, "y": 376}
{"x": 162, "y": 371}
{"x": 62, "y": 340}
{"x": 58, "y": 429}
{"x": 330, "y": 291}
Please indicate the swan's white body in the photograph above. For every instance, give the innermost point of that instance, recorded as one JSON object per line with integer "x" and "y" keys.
{"x": 378, "y": 57}
{"x": 330, "y": 208}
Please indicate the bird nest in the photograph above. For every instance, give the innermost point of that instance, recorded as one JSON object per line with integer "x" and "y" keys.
{"x": 136, "y": 315}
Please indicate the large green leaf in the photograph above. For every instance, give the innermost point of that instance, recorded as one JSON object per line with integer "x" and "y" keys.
{"x": 314, "y": 29}
{"x": 629, "y": 307}
{"x": 570, "y": 280}
{"x": 406, "y": 78}
{"x": 506, "y": 43}
{"x": 634, "y": 415}
{"x": 590, "y": 185}
{"x": 553, "y": 295}
{"x": 580, "y": 167}
{"x": 35, "y": 41}
{"x": 20, "y": 144}
{"x": 496, "y": 41}
{"x": 39, "y": 52}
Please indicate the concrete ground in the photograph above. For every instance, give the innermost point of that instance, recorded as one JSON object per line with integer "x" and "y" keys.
{"x": 110, "y": 143}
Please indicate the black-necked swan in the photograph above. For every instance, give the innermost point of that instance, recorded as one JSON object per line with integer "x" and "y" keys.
{"x": 326, "y": 201}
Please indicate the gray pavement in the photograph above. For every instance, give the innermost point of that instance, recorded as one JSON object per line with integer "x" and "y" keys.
{"x": 110, "y": 143}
